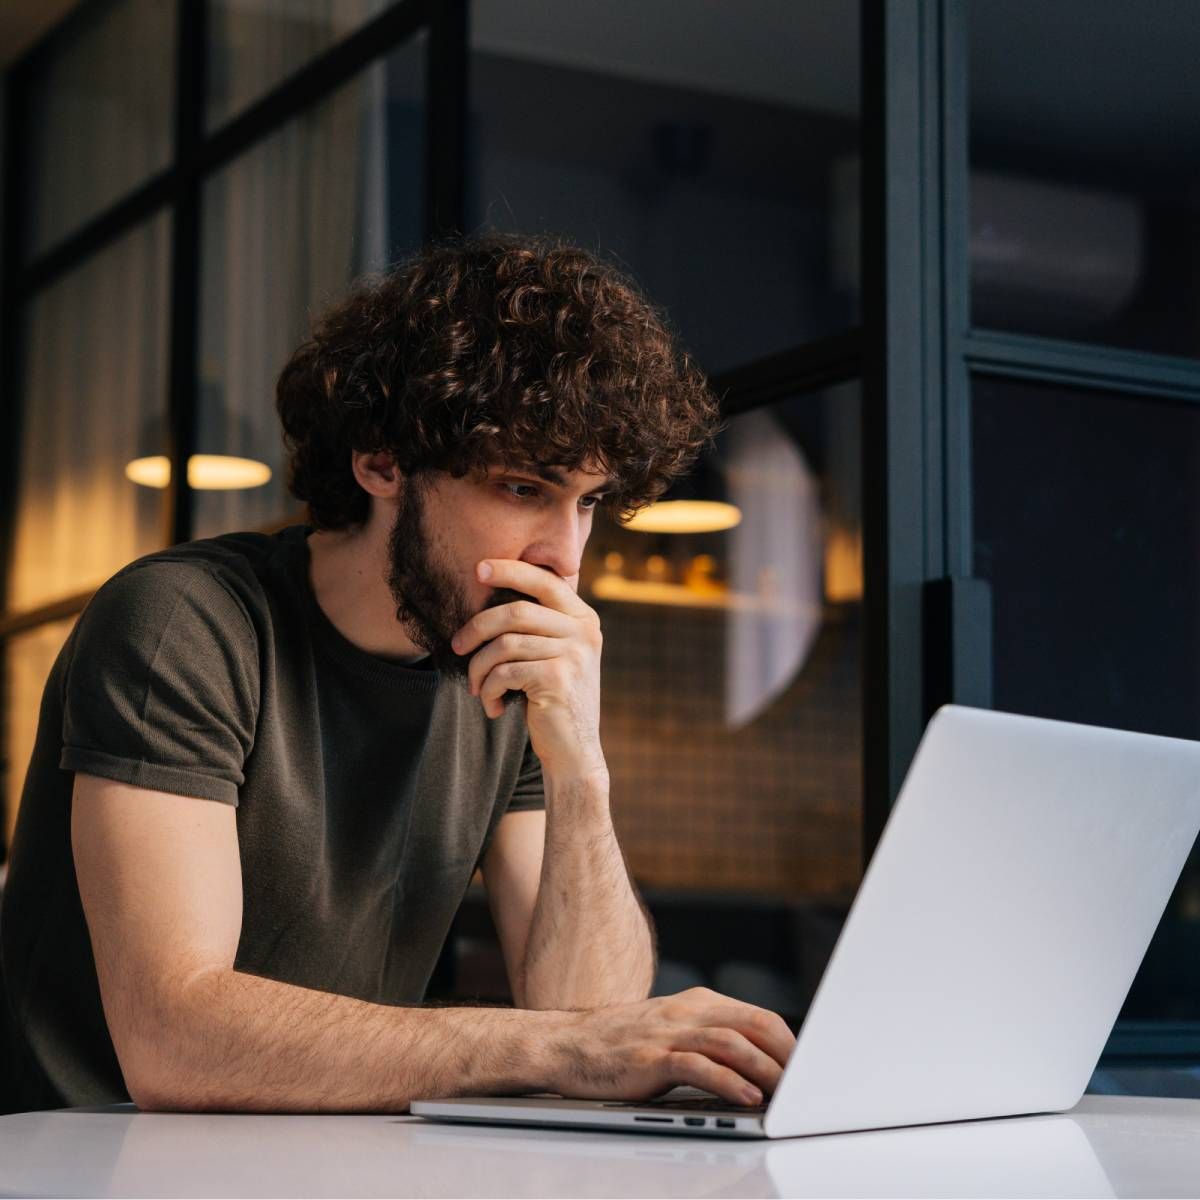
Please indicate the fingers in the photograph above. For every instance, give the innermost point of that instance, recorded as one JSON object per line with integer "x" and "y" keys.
{"x": 522, "y": 616}
{"x": 767, "y": 1030}
{"x": 697, "y": 1037}
{"x": 731, "y": 1049}
{"x": 689, "y": 1067}
{"x": 509, "y": 647}
{"x": 550, "y": 589}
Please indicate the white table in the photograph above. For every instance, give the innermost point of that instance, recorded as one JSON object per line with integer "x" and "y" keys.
{"x": 1108, "y": 1146}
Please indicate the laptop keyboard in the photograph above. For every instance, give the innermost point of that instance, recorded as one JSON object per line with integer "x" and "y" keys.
{"x": 701, "y": 1103}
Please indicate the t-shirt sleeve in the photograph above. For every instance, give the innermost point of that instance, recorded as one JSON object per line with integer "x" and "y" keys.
{"x": 528, "y": 794}
{"x": 529, "y": 791}
{"x": 162, "y": 688}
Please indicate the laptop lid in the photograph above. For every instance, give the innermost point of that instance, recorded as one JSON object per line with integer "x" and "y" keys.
{"x": 1021, "y": 875}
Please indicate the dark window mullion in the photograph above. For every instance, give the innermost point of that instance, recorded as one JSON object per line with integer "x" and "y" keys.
{"x": 12, "y": 323}
{"x": 446, "y": 82}
{"x": 807, "y": 368}
{"x": 292, "y": 97}
{"x": 191, "y": 72}
{"x": 447, "y": 77}
{"x": 12, "y": 318}
{"x": 100, "y": 231}
{"x": 902, "y": 384}
{"x": 955, "y": 450}
{"x": 1081, "y": 364}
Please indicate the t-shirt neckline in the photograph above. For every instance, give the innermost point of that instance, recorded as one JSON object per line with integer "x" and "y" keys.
{"x": 332, "y": 641}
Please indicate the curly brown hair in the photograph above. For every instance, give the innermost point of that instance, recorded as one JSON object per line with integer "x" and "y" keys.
{"x": 492, "y": 349}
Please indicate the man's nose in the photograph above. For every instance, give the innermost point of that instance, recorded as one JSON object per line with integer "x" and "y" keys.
{"x": 560, "y": 547}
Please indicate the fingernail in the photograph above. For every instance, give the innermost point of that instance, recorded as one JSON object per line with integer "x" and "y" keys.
{"x": 485, "y": 570}
{"x": 753, "y": 1096}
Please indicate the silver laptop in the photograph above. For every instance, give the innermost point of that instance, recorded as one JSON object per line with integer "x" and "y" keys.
{"x": 1004, "y": 914}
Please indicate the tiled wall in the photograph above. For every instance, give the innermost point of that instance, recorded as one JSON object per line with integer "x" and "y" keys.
{"x": 774, "y": 807}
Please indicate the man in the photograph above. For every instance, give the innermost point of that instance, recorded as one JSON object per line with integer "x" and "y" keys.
{"x": 268, "y": 765}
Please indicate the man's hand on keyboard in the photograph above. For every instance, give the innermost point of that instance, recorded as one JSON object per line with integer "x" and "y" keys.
{"x": 697, "y": 1037}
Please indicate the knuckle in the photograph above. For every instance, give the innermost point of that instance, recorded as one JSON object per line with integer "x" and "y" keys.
{"x": 522, "y": 610}
{"x": 723, "y": 1039}
{"x": 667, "y": 1009}
{"x": 761, "y": 1021}
{"x": 645, "y": 1058}
{"x": 684, "y": 1060}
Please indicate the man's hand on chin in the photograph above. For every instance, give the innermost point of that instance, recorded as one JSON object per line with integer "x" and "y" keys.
{"x": 550, "y": 651}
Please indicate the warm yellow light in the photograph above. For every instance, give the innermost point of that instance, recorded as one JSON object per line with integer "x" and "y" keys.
{"x": 223, "y": 471}
{"x": 686, "y": 516}
{"x": 206, "y": 472}
{"x": 150, "y": 472}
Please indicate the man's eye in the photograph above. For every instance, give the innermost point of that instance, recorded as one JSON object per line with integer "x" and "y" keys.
{"x": 520, "y": 491}
{"x": 514, "y": 488}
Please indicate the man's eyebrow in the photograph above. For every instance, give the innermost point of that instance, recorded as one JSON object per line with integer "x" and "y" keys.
{"x": 556, "y": 477}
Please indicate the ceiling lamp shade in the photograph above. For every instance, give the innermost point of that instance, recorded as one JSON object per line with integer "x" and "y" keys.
{"x": 696, "y": 503}
{"x": 206, "y": 472}
{"x": 686, "y": 516}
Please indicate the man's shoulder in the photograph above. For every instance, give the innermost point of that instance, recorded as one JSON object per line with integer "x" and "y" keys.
{"x": 229, "y": 574}
{"x": 232, "y": 551}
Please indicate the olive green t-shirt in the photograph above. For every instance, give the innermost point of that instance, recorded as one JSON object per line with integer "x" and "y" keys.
{"x": 366, "y": 790}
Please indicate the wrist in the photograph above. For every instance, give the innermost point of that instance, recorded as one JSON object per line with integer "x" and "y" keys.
{"x": 577, "y": 805}
{"x": 584, "y": 785}
{"x": 554, "y": 1048}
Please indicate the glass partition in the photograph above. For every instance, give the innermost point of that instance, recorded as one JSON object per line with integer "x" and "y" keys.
{"x": 715, "y": 155}
{"x": 101, "y": 114}
{"x": 287, "y": 226}
{"x": 95, "y": 388}
{"x": 1086, "y": 524}
{"x": 253, "y": 45}
{"x": 1084, "y": 128}
{"x": 732, "y": 699}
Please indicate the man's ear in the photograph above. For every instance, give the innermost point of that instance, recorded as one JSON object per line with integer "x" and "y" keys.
{"x": 377, "y": 473}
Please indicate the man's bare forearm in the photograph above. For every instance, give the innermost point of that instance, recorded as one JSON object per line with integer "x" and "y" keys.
{"x": 591, "y": 942}
{"x": 237, "y": 1042}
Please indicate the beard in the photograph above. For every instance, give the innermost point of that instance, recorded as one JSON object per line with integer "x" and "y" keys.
{"x": 431, "y": 605}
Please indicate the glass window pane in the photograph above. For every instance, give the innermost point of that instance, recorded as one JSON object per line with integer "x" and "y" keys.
{"x": 732, "y": 703}
{"x": 334, "y": 193}
{"x": 715, "y": 157}
{"x": 1084, "y": 210}
{"x": 94, "y": 399}
{"x": 1086, "y": 522}
{"x": 255, "y": 44}
{"x": 101, "y": 114}
{"x": 28, "y": 658}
